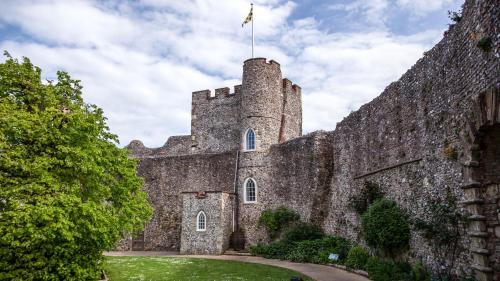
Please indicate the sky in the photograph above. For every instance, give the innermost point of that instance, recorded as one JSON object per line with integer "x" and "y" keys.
{"x": 140, "y": 60}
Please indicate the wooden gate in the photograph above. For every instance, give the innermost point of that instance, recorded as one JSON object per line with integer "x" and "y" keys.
{"x": 138, "y": 241}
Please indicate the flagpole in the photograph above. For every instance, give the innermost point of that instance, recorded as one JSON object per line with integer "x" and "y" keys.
{"x": 253, "y": 17}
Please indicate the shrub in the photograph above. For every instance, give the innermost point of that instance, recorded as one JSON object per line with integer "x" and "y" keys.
{"x": 485, "y": 43}
{"x": 314, "y": 251}
{"x": 357, "y": 258}
{"x": 317, "y": 251}
{"x": 388, "y": 270}
{"x": 337, "y": 245}
{"x": 275, "y": 250}
{"x": 303, "y": 231}
{"x": 420, "y": 273}
{"x": 455, "y": 16}
{"x": 305, "y": 251}
{"x": 386, "y": 228}
{"x": 275, "y": 220}
{"x": 369, "y": 194}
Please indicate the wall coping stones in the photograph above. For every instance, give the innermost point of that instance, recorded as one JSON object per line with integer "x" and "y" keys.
{"x": 472, "y": 202}
{"x": 388, "y": 168}
{"x": 480, "y": 234}
{"x": 482, "y": 268}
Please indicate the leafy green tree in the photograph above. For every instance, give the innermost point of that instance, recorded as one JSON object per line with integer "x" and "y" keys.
{"x": 67, "y": 192}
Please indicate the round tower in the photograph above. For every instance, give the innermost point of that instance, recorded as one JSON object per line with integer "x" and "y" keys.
{"x": 261, "y": 102}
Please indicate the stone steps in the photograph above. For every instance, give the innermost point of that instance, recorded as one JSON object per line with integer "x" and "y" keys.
{"x": 231, "y": 252}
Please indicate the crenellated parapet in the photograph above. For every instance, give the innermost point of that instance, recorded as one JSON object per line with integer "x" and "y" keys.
{"x": 289, "y": 87}
{"x": 265, "y": 102}
{"x": 204, "y": 95}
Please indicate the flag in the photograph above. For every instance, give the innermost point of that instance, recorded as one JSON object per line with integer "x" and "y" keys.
{"x": 249, "y": 17}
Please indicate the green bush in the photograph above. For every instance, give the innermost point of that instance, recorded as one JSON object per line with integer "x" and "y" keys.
{"x": 305, "y": 251}
{"x": 357, "y": 258}
{"x": 317, "y": 251}
{"x": 314, "y": 251}
{"x": 388, "y": 270}
{"x": 275, "y": 250}
{"x": 303, "y": 231}
{"x": 420, "y": 273}
{"x": 369, "y": 194}
{"x": 386, "y": 228}
{"x": 275, "y": 220}
{"x": 337, "y": 245}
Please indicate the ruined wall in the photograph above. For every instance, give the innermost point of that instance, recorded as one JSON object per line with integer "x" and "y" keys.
{"x": 218, "y": 208}
{"x": 175, "y": 145}
{"x": 164, "y": 180}
{"x": 415, "y": 138}
{"x": 291, "y": 119}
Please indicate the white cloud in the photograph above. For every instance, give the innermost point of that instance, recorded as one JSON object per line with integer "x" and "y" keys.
{"x": 140, "y": 61}
{"x": 422, "y": 7}
{"x": 372, "y": 12}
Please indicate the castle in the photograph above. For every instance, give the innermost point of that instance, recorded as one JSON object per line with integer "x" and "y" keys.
{"x": 436, "y": 130}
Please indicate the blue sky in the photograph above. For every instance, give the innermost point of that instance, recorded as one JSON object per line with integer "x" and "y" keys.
{"x": 140, "y": 60}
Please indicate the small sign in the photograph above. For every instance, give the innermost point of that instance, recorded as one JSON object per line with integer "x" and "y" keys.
{"x": 333, "y": 257}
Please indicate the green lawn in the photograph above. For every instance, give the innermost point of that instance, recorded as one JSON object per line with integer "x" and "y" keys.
{"x": 182, "y": 269}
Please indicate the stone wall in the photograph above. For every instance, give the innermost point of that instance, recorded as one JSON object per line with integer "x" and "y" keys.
{"x": 164, "y": 180}
{"x": 291, "y": 120}
{"x": 218, "y": 209}
{"x": 294, "y": 174}
{"x": 215, "y": 123}
{"x": 434, "y": 130}
{"x": 415, "y": 138}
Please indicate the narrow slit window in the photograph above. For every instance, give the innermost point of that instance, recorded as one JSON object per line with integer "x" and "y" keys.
{"x": 201, "y": 221}
{"x": 250, "y": 191}
{"x": 250, "y": 139}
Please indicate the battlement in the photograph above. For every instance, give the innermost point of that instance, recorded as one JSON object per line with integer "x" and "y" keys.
{"x": 289, "y": 87}
{"x": 261, "y": 61}
{"x": 218, "y": 93}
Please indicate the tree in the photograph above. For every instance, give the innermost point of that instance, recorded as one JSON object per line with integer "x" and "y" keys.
{"x": 67, "y": 192}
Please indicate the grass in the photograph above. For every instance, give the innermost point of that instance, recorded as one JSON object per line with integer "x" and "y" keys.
{"x": 184, "y": 269}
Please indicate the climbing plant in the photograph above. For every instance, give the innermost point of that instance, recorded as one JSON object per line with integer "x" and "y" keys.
{"x": 276, "y": 220}
{"x": 443, "y": 226}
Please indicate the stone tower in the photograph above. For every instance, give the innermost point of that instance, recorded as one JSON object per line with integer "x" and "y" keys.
{"x": 261, "y": 101}
{"x": 270, "y": 105}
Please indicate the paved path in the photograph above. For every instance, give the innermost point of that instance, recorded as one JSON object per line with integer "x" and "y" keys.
{"x": 315, "y": 271}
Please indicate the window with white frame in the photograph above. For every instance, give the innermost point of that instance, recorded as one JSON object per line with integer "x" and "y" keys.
{"x": 201, "y": 221}
{"x": 250, "y": 139}
{"x": 250, "y": 191}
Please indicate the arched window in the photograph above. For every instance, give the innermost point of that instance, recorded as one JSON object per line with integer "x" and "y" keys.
{"x": 250, "y": 139}
{"x": 250, "y": 191}
{"x": 201, "y": 221}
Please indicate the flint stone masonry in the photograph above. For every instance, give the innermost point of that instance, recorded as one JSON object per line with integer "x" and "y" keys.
{"x": 435, "y": 130}
{"x": 218, "y": 208}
